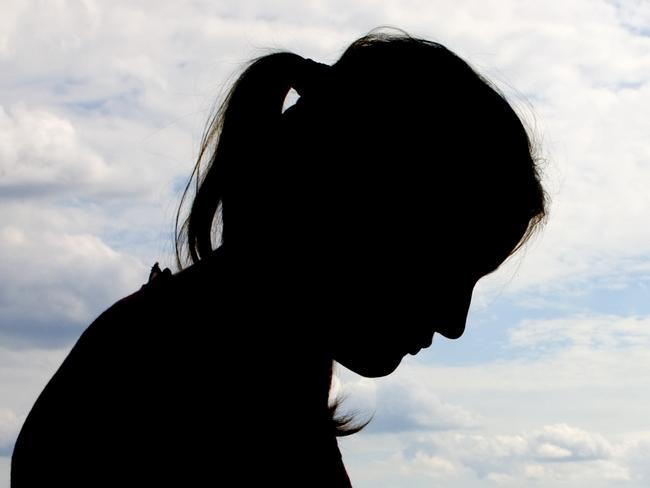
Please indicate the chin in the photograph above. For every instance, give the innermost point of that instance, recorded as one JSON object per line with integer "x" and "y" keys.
{"x": 371, "y": 369}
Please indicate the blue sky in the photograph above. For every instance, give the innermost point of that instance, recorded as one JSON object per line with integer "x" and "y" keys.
{"x": 102, "y": 107}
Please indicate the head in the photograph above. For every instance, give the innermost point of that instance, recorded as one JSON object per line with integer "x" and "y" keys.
{"x": 398, "y": 179}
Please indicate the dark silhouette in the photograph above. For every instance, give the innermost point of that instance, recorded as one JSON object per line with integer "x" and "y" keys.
{"x": 354, "y": 225}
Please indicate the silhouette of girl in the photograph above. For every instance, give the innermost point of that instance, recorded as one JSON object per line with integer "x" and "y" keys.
{"x": 354, "y": 225}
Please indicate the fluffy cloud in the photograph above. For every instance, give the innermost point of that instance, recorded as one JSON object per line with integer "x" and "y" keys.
{"x": 399, "y": 404}
{"x": 581, "y": 376}
{"x": 555, "y": 443}
{"x": 60, "y": 280}
{"x": 601, "y": 332}
{"x": 23, "y": 374}
{"x": 563, "y": 354}
{"x": 9, "y": 425}
{"x": 406, "y": 407}
{"x": 553, "y": 455}
{"x": 103, "y": 109}
{"x": 583, "y": 65}
{"x": 40, "y": 149}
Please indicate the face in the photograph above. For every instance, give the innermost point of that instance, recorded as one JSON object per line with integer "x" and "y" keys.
{"x": 391, "y": 301}
{"x": 395, "y": 267}
{"x": 384, "y": 327}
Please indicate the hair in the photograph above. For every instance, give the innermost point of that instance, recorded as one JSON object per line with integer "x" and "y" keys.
{"x": 418, "y": 89}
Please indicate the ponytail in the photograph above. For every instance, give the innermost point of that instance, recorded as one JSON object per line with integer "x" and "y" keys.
{"x": 245, "y": 129}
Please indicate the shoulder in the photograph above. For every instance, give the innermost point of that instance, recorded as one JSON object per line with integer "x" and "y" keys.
{"x": 163, "y": 305}
{"x": 163, "y": 294}
{"x": 121, "y": 358}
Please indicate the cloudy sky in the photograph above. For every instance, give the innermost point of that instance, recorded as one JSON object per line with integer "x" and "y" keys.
{"x": 102, "y": 106}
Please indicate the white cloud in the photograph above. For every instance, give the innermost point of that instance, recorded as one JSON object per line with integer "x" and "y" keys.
{"x": 9, "y": 425}
{"x": 435, "y": 465}
{"x": 553, "y": 452}
{"x": 103, "y": 106}
{"x": 580, "y": 377}
{"x": 23, "y": 374}
{"x": 565, "y": 443}
{"x": 57, "y": 280}
{"x": 40, "y": 148}
{"x": 5, "y": 463}
{"x": 580, "y": 63}
{"x": 399, "y": 405}
{"x": 634, "y": 14}
{"x": 553, "y": 455}
{"x": 601, "y": 332}
{"x": 402, "y": 406}
{"x": 563, "y": 354}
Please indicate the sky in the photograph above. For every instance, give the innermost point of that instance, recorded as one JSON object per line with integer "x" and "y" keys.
{"x": 102, "y": 108}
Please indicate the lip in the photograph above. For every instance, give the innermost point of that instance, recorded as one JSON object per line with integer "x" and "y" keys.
{"x": 415, "y": 350}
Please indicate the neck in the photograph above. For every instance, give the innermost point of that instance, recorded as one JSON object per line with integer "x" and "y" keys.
{"x": 293, "y": 430}
{"x": 283, "y": 394}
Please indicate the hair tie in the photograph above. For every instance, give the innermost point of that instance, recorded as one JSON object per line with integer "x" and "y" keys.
{"x": 310, "y": 76}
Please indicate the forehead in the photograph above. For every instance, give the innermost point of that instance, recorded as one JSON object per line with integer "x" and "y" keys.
{"x": 426, "y": 238}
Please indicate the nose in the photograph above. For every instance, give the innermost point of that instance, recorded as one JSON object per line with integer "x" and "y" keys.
{"x": 453, "y": 317}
